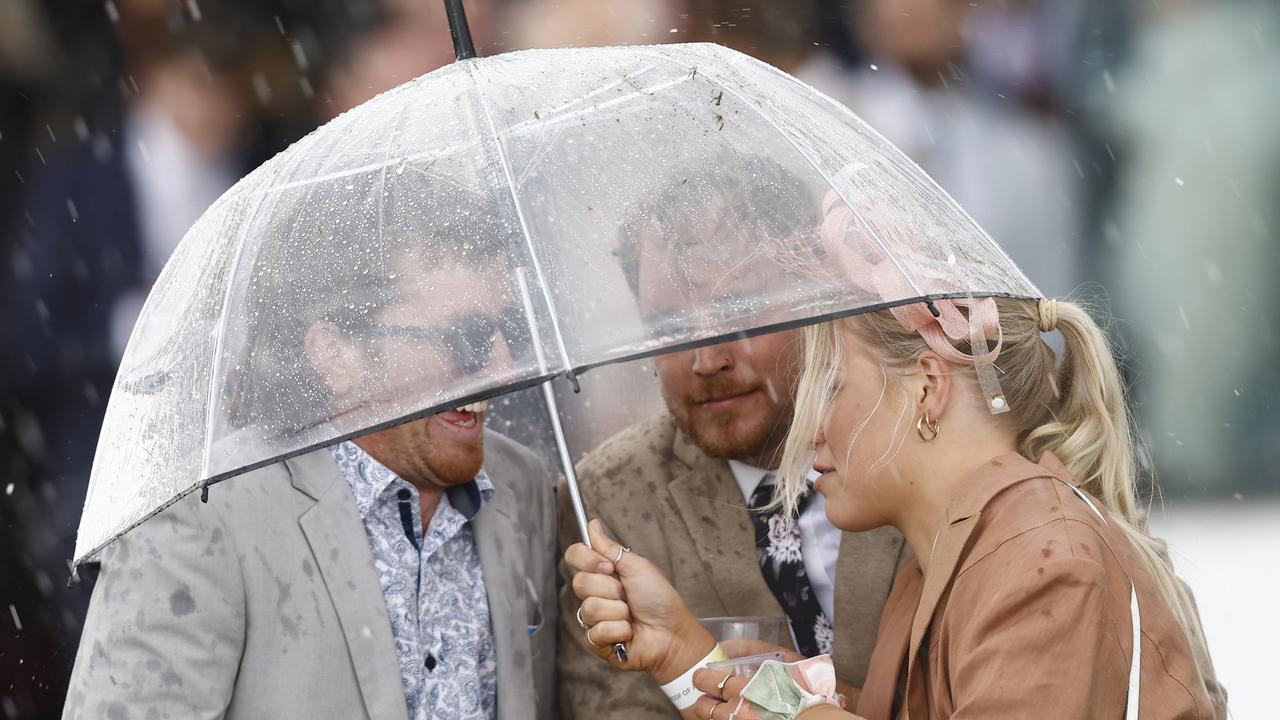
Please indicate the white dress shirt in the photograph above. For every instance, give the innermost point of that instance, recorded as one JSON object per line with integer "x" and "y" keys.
{"x": 819, "y": 539}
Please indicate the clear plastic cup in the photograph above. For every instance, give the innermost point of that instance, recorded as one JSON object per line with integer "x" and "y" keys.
{"x": 773, "y": 629}
{"x": 746, "y": 666}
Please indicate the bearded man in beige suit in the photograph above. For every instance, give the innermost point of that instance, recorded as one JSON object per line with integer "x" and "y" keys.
{"x": 677, "y": 489}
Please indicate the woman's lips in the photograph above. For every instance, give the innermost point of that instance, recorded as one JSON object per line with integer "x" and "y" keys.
{"x": 822, "y": 471}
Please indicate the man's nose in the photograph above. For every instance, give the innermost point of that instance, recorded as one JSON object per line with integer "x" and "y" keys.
{"x": 500, "y": 358}
{"x": 712, "y": 359}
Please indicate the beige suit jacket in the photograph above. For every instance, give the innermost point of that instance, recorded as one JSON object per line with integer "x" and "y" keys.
{"x": 265, "y": 603}
{"x": 667, "y": 500}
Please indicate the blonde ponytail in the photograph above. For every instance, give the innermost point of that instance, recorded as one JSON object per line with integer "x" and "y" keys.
{"x": 1091, "y": 433}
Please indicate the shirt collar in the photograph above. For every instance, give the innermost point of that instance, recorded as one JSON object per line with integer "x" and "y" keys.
{"x": 369, "y": 479}
{"x": 749, "y": 477}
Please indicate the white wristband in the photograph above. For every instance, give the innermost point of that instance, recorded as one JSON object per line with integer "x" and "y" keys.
{"x": 681, "y": 691}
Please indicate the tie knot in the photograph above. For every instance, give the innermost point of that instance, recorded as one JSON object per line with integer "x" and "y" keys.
{"x": 764, "y": 492}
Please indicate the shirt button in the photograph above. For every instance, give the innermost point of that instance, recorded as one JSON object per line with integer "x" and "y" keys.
{"x": 404, "y": 494}
{"x": 431, "y": 662}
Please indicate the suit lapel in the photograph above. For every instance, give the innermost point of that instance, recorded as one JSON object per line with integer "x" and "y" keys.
{"x": 716, "y": 518}
{"x": 341, "y": 551}
{"x": 509, "y": 598}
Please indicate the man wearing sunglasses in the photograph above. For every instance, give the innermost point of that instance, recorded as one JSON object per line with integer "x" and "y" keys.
{"x": 405, "y": 573}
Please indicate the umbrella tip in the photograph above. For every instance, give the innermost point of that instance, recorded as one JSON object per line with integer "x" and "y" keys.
{"x": 204, "y": 493}
{"x": 933, "y": 309}
{"x": 573, "y": 380}
{"x": 463, "y": 48}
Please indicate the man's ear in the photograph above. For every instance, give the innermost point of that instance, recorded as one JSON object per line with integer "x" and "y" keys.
{"x": 937, "y": 384}
{"x": 334, "y": 357}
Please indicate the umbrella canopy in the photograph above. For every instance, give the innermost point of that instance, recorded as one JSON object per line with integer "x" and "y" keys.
{"x": 501, "y": 221}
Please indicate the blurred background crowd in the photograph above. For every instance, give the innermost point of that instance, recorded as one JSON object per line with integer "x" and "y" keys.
{"x": 1122, "y": 151}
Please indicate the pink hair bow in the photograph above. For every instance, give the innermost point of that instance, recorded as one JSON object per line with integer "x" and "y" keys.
{"x": 875, "y": 264}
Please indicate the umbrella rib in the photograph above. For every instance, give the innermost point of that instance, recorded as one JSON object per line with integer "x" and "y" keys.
{"x": 434, "y": 152}
{"x": 524, "y": 224}
{"x": 817, "y": 168}
{"x": 578, "y": 100}
{"x": 233, "y": 272}
{"x": 877, "y": 134}
{"x": 514, "y": 129}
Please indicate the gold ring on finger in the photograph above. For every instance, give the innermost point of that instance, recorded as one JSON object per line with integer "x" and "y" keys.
{"x": 581, "y": 623}
{"x": 712, "y": 715}
{"x": 621, "y": 549}
{"x": 593, "y": 642}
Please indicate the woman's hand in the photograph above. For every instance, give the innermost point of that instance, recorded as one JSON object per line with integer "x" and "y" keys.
{"x": 723, "y": 696}
{"x": 723, "y": 699}
{"x": 638, "y": 607}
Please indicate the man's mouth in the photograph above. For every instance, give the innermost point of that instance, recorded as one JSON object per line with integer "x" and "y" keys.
{"x": 466, "y": 416}
{"x": 724, "y": 401}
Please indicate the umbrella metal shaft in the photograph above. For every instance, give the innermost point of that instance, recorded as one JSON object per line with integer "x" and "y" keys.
{"x": 566, "y": 461}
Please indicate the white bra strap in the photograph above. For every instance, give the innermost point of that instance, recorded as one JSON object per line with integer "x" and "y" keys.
{"x": 1135, "y": 662}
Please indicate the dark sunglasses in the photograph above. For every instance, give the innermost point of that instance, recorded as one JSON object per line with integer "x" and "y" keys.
{"x": 468, "y": 338}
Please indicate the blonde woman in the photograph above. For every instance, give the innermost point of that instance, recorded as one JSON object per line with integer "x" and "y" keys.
{"x": 1030, "y": 576}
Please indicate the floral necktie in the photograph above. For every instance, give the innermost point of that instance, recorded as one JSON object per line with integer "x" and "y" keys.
{"x": 778, "y": 548}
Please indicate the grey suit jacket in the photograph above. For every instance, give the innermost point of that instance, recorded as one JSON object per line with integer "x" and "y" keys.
{"x": 667, "y": 500}
{"x": 265, "y": 602}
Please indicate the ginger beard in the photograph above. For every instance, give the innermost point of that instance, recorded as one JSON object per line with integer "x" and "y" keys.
{"x": 740, "y": 407}
{"x": 436, "y": 452}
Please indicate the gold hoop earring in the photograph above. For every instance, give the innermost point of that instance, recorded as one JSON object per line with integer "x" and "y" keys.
{"x": 923, "y": 424}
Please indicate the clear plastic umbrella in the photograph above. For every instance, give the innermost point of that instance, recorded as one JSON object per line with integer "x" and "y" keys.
{"x": 518, "y": 200}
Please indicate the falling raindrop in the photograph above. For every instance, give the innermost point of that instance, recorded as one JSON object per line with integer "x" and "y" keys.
{"x": 299, "y": 54}
{"x": 261, "y": 88}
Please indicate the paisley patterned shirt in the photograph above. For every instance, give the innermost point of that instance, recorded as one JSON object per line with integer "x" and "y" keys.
{"x": 433, "y": 586}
